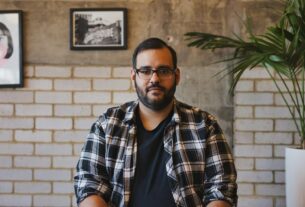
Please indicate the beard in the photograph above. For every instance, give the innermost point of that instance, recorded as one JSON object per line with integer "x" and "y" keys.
{"x": 159, "y": 104}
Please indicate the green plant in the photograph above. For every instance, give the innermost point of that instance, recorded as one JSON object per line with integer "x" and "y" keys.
{"x": 281, "y": 48}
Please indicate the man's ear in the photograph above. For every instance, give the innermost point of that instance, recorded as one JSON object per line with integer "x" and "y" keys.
{"x": 177, "y": 76}
{"x": 132, "y": 74}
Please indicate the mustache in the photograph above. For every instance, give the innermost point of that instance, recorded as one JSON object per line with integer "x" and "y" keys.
{"x": 155, "y": 86}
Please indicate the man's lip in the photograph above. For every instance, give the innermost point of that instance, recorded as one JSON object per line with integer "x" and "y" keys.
{"x": 155, "y": 88}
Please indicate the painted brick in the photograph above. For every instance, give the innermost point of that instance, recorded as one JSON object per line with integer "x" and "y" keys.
{"x": 52, "y": 71}
{"x": 63, "y": 188}
{"x": 243, "y": 112}
{"x": 83, "y": 123}
{"x": 32, "y": 162}
{"x": 253, "y": 151}
{"x": 121, "y": 72}
{"x": 256, "y": 73}
{"x": 52, "y": 175}
{"x": 52, "y": 200}
{"x": 38, "y": 84}
{"x": 6, "y": 135}
{"x": 244, "y": 85}
{"x": 77, "y": 148}
{"x": 273, "y": 138}
{"x": 254, "y": 125}
{"x": 269, "y": 86}
{"x": 99, "y": 109}
{"x": 285, "y": 126}
{"x": 255, "y": 201}
{"x": 15, "y": 174}
{"x": 6, "y": 187}
{"x": 92, "y": 97}
{"x": 53, "y": 97}
{"x": 244, "y": 163}
{"x": 16, "y": 123}
{"x": 6, "y": 109}
{"x": 111, "y": 84}
{"x": 279, "y": 101}
{"x": 72, "y": 85}
{"x": 92, "y": 72}
{"x": 279, "y": 176}
{"x": 28, "y": 71}
{"x": 16, "y": 149}
{"x": 53, "y": 123}
{"x": 270, "y": 164}
{"x": 6, "y": 161}
{"x": 243, "y": 137}
{"x": 74, "y": 203}
{"x": 53, "y": 149}
{"x": 33, "y": 109}
{"x": 72, "y": 110}
{"x": 272, "y": 112}
{"x": 245, "y": 189}
{"x": 71, "y": 136}
{"x": 270, "y": 189}
{"x": 33, "y": 136}
{"x": 122, "y": 97}
{"x": 255, "y": 176}
{"x": 16, "y": 97}
{"x": 297, "y": 139}
{"x": 280, "y": 202}
{"x": 65, "y": 162}
{"x": 254, "y": 98}
{"x": 32, "y": 187}
{"x": 279, "y": 150}
{"x": 16, "y": 200}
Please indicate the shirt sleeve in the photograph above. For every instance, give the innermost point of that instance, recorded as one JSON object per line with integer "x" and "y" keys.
{"x": 91, "y": 174}
{"x": 220, "y": 175}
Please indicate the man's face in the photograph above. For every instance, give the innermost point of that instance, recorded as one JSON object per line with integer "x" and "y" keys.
{"x": 155, "y": 93}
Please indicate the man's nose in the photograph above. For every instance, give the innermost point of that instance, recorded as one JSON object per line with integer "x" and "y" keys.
{"x": 154, "y": 77}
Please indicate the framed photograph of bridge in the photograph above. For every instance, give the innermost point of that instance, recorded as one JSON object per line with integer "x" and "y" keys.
{"x": 98, "y": 29}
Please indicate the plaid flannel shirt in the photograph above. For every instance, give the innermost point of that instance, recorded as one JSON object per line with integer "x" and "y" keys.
{"x": 200, "y": 167}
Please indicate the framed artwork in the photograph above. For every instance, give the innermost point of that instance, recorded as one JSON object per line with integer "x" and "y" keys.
{"x": 11, "y": 61}
{"x": 98, "y": 29}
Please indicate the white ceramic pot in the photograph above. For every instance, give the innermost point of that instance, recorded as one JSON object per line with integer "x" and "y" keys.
{"x": 295, "y": 177}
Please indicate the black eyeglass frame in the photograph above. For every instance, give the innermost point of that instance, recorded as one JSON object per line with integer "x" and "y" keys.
{"x": 137, "y": 70}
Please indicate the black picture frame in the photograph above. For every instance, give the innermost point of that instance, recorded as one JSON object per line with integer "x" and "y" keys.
{"x": 98, "y": 28}
{"x": 11, "y": 49}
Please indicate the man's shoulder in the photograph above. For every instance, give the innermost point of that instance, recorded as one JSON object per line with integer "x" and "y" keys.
{"x": 122, "y": 111}
{"x": 187, "y": 112}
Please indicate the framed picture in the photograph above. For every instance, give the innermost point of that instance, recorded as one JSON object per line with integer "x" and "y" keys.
{"x": 11, "y": 63}
{"x": 98, "y": 29}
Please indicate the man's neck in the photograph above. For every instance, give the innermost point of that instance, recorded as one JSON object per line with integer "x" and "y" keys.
{"x": 150, "y": 118}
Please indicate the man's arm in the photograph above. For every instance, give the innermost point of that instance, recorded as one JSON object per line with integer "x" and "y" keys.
{"x": 218, "y": 204}
{"x": 93, "y": 200}
{"x": 220, "y": 172}
{"x": 91, "y": 174}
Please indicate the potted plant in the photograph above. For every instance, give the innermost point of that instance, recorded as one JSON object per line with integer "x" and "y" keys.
{"x": 280, "y": 50}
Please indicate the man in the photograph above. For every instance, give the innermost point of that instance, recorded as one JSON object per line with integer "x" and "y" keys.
{"x": 155, "y": 151}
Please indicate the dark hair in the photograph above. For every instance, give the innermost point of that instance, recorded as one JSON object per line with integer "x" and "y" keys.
{"x": 7, "y": 33}
{"x": 153, "y": 43}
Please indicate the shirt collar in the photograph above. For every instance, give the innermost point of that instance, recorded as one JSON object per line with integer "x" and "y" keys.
{"x": 131, "y": 112}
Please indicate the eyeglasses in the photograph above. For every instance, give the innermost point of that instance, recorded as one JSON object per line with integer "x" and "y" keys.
{"x": 163, "y": 72}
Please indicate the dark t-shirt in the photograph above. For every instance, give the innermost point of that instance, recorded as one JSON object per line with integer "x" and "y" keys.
{"x": 151, "y": 186}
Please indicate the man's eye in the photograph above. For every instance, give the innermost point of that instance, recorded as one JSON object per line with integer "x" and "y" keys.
{"x": 145, "y": 72}
{"x": 164, "y": 71}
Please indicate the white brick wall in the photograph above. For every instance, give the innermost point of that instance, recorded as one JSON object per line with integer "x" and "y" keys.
{"x": 92, "y": 72}
{"x": 262, "y": 130}
{"x": 43, "y": 127}
{"x": 15, "y": 200}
